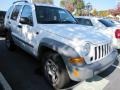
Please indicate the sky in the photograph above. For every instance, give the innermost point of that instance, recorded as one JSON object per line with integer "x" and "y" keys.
{"x": 103, "y": 4}
{"x": 97, "y": 4}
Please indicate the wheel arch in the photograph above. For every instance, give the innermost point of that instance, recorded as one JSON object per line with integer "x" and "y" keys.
{"x": 66, "y": 52}
{"x": 62, "y": 49}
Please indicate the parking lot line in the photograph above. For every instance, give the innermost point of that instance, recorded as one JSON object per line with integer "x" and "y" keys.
{"x": 116, "y": 66}
{"x": 6, "y": 86}
{"x": 96, "y": 83}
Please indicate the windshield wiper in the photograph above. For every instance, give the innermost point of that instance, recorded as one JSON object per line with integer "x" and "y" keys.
{"x": 51, "y": 22}
{"x": 67, "y": 22}
{"x": 58, "y": 22}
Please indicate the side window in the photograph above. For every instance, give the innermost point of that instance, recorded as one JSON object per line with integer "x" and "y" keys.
{"x": 27, "y": 14}
{"x": 16, "y": 12}
{"x": 9, "y": 11}
{"x": 86, "y": 22}
{"x": 80, "y": 20}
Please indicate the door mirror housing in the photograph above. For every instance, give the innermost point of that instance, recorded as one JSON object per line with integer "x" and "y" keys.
{"x": 24, "y": 20}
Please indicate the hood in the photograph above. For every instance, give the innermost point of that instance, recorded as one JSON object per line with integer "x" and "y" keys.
{"x": 74, "y": 31}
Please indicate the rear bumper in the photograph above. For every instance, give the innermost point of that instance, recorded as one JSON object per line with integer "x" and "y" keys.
{"x": 88, "y": 71}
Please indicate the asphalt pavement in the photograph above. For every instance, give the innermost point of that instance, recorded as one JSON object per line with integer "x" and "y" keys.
{"x": 21, "y": 72}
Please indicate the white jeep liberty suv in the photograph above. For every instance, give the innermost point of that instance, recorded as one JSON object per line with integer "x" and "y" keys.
{"x": 67, "y": 51}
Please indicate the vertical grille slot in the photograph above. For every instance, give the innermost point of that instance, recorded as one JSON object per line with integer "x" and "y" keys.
{"x": 105, "y": 49}
{"x": 95, "y": 53}
{"x": 101, "y": 51}
{"x": 109, "y": 48}
{"x": 91, "y": 59}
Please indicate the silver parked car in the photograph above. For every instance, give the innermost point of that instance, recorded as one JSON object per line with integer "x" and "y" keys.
{"x": 66, "y": 51}
{"x": 104, "y": 26}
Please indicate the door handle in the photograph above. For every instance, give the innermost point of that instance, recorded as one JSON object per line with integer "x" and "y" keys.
{"x": 19, "y": 26}
{"x": 37, "y": 33}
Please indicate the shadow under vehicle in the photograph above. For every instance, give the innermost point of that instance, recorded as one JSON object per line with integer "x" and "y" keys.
{"x": 2, "y": 16}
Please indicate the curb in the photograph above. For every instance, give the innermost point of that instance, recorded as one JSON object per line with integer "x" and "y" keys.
{"x": 4, "y": 84}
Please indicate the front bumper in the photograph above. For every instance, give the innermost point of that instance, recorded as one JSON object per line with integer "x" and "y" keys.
{"x": 88, "y": 71}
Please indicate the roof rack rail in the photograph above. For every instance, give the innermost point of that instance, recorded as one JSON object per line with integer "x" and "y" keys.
{"x": 20, "y": 1}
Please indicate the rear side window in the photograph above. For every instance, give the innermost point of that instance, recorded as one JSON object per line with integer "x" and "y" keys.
{"x": 15, "y": 12}
{"x": 9, "y": 12}
{"x": 86, "y": 22}
{"x": 106, "y": 23}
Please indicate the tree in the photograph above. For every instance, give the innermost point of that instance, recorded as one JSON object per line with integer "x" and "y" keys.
{"x": 103, "y": 13}
{"x": 62, "y": 3}
{"x": 74, "y": 2}
{"x": 113, "y": 12}
{"x": 70, "y": 7}
{"x": 79, "y": 5}
{"x": 67, "y": 4}
{"x": 44, "y": 1}
{"x": 116, "y": 11}
{"x": 73, "y": 5}
{"x": 94, "y": 12}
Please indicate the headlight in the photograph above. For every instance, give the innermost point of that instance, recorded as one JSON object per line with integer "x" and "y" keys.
{"x": 86, "y": 49}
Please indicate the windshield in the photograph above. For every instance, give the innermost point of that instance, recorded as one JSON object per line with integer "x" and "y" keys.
{"x": 107, "y": 23}
{"x": 52, "y": 15}
{"x": 83, "y": 21}
{"x": 115, "y": 22}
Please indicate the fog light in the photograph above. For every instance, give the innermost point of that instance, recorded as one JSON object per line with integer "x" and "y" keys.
{"x": 76, "y": 73}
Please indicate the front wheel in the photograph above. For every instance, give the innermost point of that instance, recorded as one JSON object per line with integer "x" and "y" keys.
{"x": 55, "y": 71}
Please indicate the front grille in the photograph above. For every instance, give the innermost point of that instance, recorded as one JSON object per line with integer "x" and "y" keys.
{"x": 100, "y": 51}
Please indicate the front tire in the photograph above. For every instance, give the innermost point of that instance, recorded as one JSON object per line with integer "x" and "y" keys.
{"x": 55, "y": 71}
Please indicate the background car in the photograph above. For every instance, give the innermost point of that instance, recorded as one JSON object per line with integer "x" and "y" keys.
{"x": 63, "y": 48}
{"x": 104, "y": 26}
{"x": 115, "y": 22}
{"x": 2, "y": 16}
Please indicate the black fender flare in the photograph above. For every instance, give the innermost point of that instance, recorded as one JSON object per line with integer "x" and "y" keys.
{"x": 59, "y": 47}
{"x": 65, "y": 51}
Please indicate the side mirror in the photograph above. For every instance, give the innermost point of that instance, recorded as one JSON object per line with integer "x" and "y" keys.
{"x": 24, "y": 20}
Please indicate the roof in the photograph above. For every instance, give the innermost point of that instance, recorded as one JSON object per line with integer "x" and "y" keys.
{"x": 18, "y": 1}
{"x": 49, "y": 5}
{"x": 87, "y": 17}
{"x": 35, "y": 3}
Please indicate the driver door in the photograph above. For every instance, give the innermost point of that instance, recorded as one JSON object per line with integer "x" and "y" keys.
{"x": 26, "y": 21}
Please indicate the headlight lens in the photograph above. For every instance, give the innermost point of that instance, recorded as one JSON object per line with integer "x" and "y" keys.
{"x": 86, "y": 49}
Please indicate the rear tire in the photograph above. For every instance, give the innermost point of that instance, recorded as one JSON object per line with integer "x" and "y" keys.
{"x": 55, "y": 71}
{"x": 9, "y": 42}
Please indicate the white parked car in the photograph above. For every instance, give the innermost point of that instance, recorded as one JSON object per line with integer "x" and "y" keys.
{"x": 67, "y": 51}
{"x": 104, "y": 26}
{"x": 115, "y": 22}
